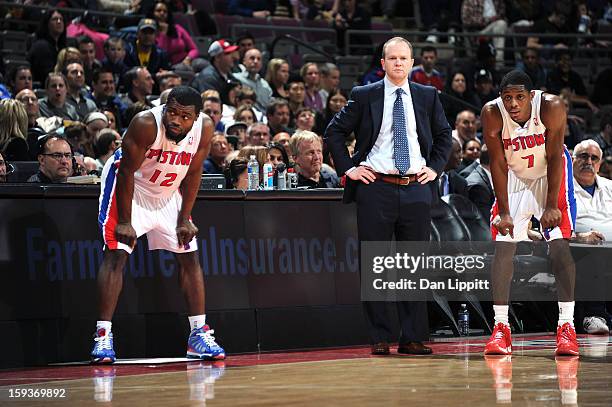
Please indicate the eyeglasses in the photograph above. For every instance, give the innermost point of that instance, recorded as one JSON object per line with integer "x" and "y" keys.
{"x": 585, "y": 156}
{"x": 59, "y": 156}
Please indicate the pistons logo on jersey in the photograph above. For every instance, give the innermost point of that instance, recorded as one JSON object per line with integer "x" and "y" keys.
{"x": 524, "y": 142}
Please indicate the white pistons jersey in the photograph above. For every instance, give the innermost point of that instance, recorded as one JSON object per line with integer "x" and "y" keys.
{"x": 525, "y": 146}
{"x": 166, "y": 162}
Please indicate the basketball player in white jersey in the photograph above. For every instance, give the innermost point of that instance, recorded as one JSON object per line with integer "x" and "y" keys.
{"x": 149, "y": 187}
{"x": 532, "y": 175}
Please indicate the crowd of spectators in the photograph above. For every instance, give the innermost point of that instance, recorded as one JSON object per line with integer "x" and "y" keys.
{"x": 84, "y": 85}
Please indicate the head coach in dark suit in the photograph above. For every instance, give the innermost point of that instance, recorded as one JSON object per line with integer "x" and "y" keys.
{"x": 403, "y": 141}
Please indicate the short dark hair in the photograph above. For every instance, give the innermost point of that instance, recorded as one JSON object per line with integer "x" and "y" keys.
{"x": 85, "y": 39}
{"x": 129, "y": 77}
{"x": 236, "y": 167}
{"x": 186, "y": 96}
{"x": 42, "y": 142}
{"x": 275, "y": 104}
{"x": 102, "y": 70}
{"x": 106, "y": 137}
{"x": 429, "y": 48}
{"x": 12, "y": 74}
{"x": 514, "y": 78}
{"x": 112, "y": 39}
{"x": 212, "y": 99}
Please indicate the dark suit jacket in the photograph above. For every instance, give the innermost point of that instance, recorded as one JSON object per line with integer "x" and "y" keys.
{"x": 456, "y": 184}
{"x": 363, "y": 116}
{"x": 480, "y": 191}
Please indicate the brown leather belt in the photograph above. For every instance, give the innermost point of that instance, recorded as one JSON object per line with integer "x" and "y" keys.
{"x": 396, "y": 179}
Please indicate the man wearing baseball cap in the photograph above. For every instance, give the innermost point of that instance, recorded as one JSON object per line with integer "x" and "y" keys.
{"x": 223, "y": 55}
{"x": 143, "y": 52}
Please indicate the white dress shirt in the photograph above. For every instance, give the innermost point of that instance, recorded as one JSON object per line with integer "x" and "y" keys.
{"x": 380, "y": 158}
{"x": 594, "y": 212}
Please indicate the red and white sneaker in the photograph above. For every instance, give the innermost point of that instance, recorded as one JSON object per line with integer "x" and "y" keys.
{"x": 500, "y": 342}
{"x": 567, "y": 343}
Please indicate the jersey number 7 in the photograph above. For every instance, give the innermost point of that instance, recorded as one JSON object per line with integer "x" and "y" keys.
{"x": 529, "y": 159}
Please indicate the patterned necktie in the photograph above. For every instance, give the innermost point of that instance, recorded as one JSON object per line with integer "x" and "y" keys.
{"x": 400, "y": 138}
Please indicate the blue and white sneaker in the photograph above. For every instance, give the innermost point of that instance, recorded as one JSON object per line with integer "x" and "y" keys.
{"x": 103, "y": 352}
{"x": 201, "y": 345}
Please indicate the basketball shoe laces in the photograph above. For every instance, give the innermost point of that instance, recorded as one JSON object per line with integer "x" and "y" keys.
{"x": 499, "y": 334}
{"x": 103, "y": 342}
{"x": 566, "y": 332}
{"x": 208, "y": 338}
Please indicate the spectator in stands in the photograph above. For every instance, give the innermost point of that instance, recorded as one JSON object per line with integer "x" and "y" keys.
{"x": 305, "y": 119}
{"x": 112, "y": 119}
{"x": 425, "y": 73}
{"x": 312, "y": 79}
{"x": 374, "y": 73}
{"x": 171, "y": 37}
{"x": 603, "y": 84}
{"x": 277, "y": 76}
{"x": 65, "y": 57}
{"x": 54, "y": 104}
{"x": 87, "y": 48}
{"x": 278, "y": 114}
{"x": 335, "y": 102}
{"x": 236, "y": 175}
{"x": 212, "y": 107}
{"x": 470, "y": 154}
{"x": 77, "y": 95}
{"x": 486, "y": 17}
{"x": 573, "y": 130}
{"x": 554, "y": 23}
{"x": 55, "y": 161}
{"x": 251, "y": 8}
{"x": 3, "y": 171}
{"x": 139, "y": 84}
{"x": 353, "y": 16}
{"x": 114, "y": 51}
{"x": 284, "y": 140}
{"x": 217, "y": 74}
{"x": 593, "y": 219}
{"x": 247, "y": 97}
{"x": 230, "y": 102}
{"x": 277, "y": 154}
{"x": 450, "y": 182}
{"x": 30, "y": 101}
{"x": 604, "y": 138}
{"x": 465, "y": 126}
{"x": 531, "y": 65}
{"x": 133, "y": 110}
{"x": 94, "y": 123}
{"x": 143, "y": 52}
{"x": 236, "y": 136}
{"x": 13, "y": 130}
{"x": 330, "y": 79}
{"x": 483, "y": 85}
{"x": 169, "y": 80}
{"x": 20, "y": 78}
{"x": 562, "y": 76}
{"x": 245, "y": 114}
{"x": 307, "y": 151}
{"x": 457, "y": 97}
{"x": 439, "y": 16}
{"x": 260, "y": 153}
{"x": 296, "y": 97}
{"x": 50, "y": 38}
{"x": 245, "y": 42}
{"x": 219, "y": 149}
{"x": 107, "y": 142}
{"x": 480, "y": 185}
{"x": 258, "y": 134}
{"x": 104, "y": 92}
{"x": 251, "y": 78}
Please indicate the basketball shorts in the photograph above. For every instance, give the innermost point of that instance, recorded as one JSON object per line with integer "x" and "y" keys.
{"x": 527, "y": 198}
{"x": 155, "y": 217}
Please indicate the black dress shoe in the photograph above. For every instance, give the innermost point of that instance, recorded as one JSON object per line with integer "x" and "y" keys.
{"x": 380, "y": 348}
{"x": 414, "y": 348}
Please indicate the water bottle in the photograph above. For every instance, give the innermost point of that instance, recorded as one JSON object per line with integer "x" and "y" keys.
{"x": 292, "y": 178}
{"x": 281, "y": 176}
{"x": 253, "y": 172}
{"x": 584, "y": 23}
{"x": 464, "y": 321}
{"x": 268, "y": 177}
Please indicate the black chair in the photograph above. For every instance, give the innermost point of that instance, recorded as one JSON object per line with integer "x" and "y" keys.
{"x": 470, "y": 215}
{"x": 22, "y": 171}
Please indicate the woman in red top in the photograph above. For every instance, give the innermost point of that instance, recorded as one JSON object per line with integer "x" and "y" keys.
{"x": 171, "y": 37}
